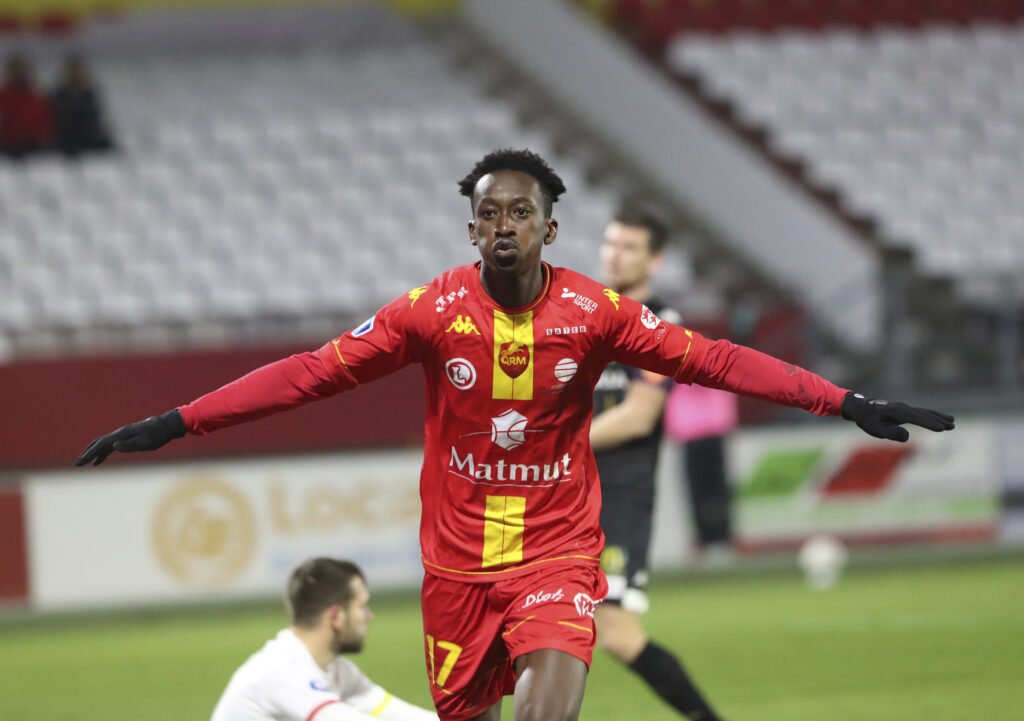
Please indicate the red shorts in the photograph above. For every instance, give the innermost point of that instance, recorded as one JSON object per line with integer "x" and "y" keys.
{"x": 475, "y": 631}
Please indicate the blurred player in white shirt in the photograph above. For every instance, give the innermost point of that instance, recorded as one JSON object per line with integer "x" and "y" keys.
{"x": 300, "y": 675}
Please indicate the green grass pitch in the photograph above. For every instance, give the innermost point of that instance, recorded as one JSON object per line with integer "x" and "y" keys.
{"x": 942, "y": 641}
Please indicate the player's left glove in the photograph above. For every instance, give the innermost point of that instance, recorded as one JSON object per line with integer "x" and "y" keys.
{"x": 883, "y": 419}
{"x": 147, "y": 435}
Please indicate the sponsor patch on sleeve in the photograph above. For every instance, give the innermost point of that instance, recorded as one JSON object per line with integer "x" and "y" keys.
{"x": 648, "y": 318}
{"x": 365, "y": 328}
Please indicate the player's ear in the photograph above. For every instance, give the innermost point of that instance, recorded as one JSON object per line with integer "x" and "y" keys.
{"x": 551, "y": 232}
{"x": 656, "y": 260}
{"x": 335, "y": 615}
{"x": 472, "y": 232}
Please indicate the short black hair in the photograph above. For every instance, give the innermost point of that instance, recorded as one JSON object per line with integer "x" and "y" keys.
{"x": 637, "y": 216}
{"x": 525, "y": 161}
{"x": 316, "y": 585}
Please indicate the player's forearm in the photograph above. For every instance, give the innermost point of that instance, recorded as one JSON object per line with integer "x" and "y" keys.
{"x": 275, "y": 387}
{"x": 744, "y": 370}
{"x": 616, "y": 426}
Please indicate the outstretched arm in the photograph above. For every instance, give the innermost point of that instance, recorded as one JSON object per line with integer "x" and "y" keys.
{"x": 277, "y": 386}
{"x": 743, "y": 370}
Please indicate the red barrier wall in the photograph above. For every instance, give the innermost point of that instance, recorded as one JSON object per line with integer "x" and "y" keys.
{"x": 53, "y": 408}
{"x": 13, "y": 557}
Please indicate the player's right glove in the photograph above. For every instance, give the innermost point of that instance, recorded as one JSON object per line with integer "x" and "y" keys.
{"x": 883, "y": 419}
{"x": 147, "y": 435}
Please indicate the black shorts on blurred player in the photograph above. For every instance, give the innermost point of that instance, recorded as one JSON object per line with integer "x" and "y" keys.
{"x": 626, "y": 513}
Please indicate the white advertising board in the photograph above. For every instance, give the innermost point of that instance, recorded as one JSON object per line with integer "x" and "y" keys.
{"x": 234, "y": 529}
{"x": 218, "y": 530}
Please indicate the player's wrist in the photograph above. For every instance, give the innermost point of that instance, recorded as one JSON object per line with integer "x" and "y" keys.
{"x": 173, "y": 423}
{"x": 854, "y": 406}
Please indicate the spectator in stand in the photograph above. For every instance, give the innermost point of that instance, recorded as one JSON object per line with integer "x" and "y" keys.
{"x": 79, "y": 123}
{"x": 25, "y": 120}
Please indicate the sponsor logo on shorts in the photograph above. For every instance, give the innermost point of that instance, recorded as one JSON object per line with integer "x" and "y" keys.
{"x": 461, "y": 373}
{"x": 535, "y": 599}
{"x": 585, "y": 605}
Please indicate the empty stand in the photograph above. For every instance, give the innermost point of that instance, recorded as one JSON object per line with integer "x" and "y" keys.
{"x": 918, "y": 129}
{"x": 257, "y": 191}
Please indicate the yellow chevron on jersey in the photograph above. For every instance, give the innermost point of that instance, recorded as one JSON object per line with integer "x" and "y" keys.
{"x": 415, "y": 293}
{"x": 612, "y": 296}
{"x": 462, "y": 324}
{"x": 513, "y": 356}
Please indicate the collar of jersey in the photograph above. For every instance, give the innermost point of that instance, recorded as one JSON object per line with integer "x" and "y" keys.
{"x": 523, "y": 308}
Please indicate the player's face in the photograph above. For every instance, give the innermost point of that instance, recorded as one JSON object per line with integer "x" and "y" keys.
{"x": 508, "y": 225}
{"x": 626, "y": 257}
{"x": 351, "y": 624}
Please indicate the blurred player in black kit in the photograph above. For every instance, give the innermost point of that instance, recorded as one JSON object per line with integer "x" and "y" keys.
{"x": 626, "y": 435}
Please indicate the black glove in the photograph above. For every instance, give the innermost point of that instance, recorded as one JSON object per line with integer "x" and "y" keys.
{"x": 147, "y": 435}
{"x": 882, "y": 419}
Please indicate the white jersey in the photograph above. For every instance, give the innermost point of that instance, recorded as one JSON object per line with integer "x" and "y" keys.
{"x": 282, "y": 682}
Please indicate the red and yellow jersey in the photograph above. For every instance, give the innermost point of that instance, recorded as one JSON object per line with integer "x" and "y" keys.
{"x": 509, "y": 481}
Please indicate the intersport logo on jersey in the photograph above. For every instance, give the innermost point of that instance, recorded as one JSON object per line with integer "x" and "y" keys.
{"x": 509, "y": 431}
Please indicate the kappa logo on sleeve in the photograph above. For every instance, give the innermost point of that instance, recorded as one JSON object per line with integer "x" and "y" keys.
{"x": 612, "y": 296}
{"x": 415, "y": 293}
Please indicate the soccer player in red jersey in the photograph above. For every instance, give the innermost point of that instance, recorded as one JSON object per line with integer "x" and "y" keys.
{"x": 511, "y": 349}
